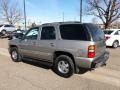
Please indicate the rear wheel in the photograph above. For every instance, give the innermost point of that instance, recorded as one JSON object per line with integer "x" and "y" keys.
{"x": 115, "y": 44}
{"x": 3, "y": 32}
{"x": 64, "y": 66}
{"x": 16, "y": 57}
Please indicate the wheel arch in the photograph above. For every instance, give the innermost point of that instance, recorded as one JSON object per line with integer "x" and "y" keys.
{"x": 58, "y": 53}
{"x": 12, "y": 46}
{"x": 3, "y": 30}
{"x": 116, "y": 41}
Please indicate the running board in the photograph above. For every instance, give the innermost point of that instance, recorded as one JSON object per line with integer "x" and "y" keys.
{"x": 41, "y": 62}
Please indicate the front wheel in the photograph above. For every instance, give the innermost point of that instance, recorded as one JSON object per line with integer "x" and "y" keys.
{"x": 16, "y": 57}
{"x": 64, "y": 66}
{"x": 115, "y": 44}
{"x": 3, "y": 32}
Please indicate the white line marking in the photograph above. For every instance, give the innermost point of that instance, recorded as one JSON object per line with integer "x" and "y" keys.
{"x": 5, "y": 54}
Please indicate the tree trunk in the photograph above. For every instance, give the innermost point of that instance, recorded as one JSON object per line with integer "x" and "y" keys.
{"x": 106, "y": 25}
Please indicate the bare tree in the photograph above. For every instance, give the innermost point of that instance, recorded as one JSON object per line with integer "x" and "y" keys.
{"x": 10, "y": 11}
{"x": 106, "y": 10}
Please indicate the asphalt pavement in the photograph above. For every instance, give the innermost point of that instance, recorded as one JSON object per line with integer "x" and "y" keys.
{"x": 29, "y": 75}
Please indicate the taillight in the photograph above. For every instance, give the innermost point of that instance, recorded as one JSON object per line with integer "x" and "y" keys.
{"x": 91, "y": 51}
{"x": 107, "y": 38}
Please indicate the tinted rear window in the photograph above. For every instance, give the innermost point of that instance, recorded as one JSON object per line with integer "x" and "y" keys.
{"x": 74, "y": 32}
{"x": 108, "y": 32}
{"x": 9, "y": 26}
{"x": 96, "y": 33}
{"x": 1, "y": 25}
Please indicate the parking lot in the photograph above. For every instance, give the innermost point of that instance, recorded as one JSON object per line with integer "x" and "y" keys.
{"x": 32, "y": 76}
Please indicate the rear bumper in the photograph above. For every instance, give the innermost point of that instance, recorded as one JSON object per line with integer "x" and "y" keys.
{"x": 89, "y": 63}
{"x": 100, "y": 61}
{"x": 109, "y": 42}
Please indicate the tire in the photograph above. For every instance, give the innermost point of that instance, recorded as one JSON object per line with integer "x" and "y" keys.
{"x": 64, "y": 66}
{"x": 115, "y": 44}
{"x": 3, "y": 32}
{"x": 16, "y": 57}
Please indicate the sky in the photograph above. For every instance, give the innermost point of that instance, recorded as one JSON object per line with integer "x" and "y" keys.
{"x": 45, "y": 11}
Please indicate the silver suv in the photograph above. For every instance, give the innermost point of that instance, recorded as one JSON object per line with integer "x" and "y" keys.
{"x": 65, "y": 45}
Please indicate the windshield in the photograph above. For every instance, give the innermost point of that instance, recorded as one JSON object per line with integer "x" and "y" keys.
{"x": 108, "y": 32}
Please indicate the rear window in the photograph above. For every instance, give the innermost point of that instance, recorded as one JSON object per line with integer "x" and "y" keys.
{"x": 1, "y": 25}
{"x": 9, "y": 26}
{"x": 74, "y": 32}
{"x": 108, "y": 32}
{"x": 96, "y": 33}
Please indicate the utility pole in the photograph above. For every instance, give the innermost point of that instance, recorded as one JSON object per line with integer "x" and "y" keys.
{"x": 25, "y": 14}
{"x": 81, "y": 11}
{"x": 63, "y": 16}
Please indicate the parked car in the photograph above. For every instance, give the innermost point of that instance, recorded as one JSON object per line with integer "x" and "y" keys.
{"x": 4, "y": 29}
{"x": 66, "y": 46}
{"x": 112, "y": 37}
{"x": 16, "y": 34}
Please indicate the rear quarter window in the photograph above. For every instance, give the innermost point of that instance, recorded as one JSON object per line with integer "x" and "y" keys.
{"x": 96, "y": 33}
{"x": 74, "y": 32}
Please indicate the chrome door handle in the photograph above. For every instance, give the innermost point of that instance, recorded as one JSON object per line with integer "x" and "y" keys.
{"x": 52, "y": 44}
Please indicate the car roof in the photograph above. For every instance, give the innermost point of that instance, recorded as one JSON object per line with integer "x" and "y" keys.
{"x": 60, "y": 23}
{"x": 5, "y": 24}
{"x": 71, "y": 22}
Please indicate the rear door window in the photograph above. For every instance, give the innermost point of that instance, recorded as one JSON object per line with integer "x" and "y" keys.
{"x": 117, "y": 33}
{"x": 96, "y": 33}
{"x": 48, "y": 33}
{"x": 74, "y": 32}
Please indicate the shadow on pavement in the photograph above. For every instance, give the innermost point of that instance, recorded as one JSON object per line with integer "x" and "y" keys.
{"x": 83, "y": 70}
{"x": 37, "y": 64}
{"x": 108, "y": 47}
{"x": 111, "y": 47}
{"x": 44, "y": 66}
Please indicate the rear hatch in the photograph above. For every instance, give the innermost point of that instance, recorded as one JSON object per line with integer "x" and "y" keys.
{"x": 98, "y": 39}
